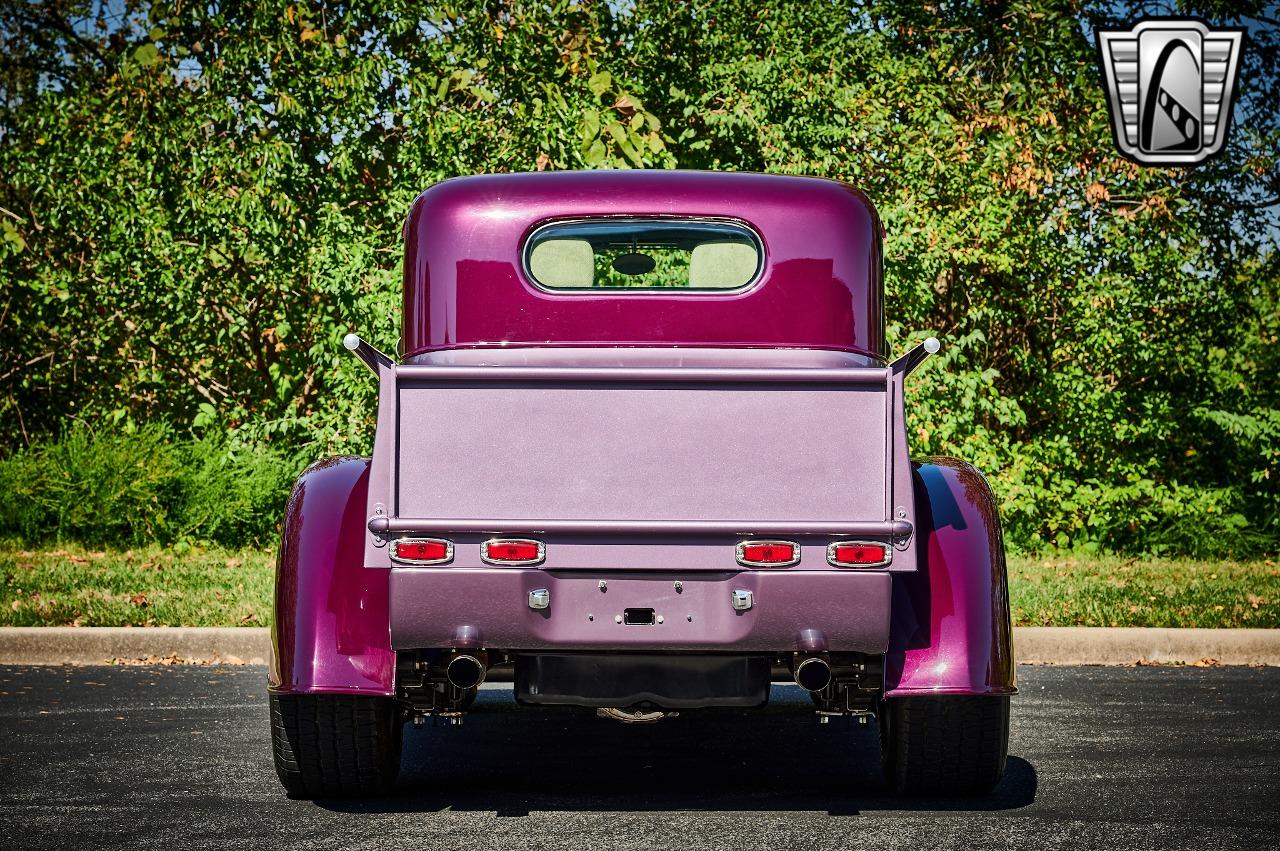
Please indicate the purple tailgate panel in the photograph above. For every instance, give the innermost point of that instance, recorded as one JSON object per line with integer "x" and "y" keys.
{"x": 624, "y": 451}
{"x": 605, "y": 464}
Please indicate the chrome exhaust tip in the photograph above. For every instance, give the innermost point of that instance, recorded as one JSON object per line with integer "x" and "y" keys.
{"x": 812, "y": 673}
{"x": 465, "y": 671}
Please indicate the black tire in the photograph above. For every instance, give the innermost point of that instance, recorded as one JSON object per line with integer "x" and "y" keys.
{"x": 336, "y": 745}
{"x": 944, "y": 745}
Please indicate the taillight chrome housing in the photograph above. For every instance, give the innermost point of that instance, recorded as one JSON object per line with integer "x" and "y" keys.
{"x": 420, "y": 551}
{"x": 513, "y": 552}
{"x": 768, "y": 553}
{"x": 859, "y": 554}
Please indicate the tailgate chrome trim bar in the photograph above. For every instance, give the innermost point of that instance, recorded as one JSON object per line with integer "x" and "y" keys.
{"x": 383, "y": 525}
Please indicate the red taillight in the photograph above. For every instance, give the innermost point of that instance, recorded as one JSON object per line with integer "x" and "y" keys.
{"x": 858, "y": 554}
{"x": 423, "y": 551}
{"x": 512, "y": 551}
{"x": 768, "y": 553}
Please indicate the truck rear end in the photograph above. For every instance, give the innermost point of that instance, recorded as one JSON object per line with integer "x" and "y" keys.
{"x": 644, "y": 455}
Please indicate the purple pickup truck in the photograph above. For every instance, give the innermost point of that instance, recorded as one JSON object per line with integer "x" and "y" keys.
{"x": 643, "y": 450}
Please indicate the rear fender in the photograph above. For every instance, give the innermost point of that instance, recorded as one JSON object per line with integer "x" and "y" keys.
{"x": 331, "y": 631}
{"x": 950, "y": 631}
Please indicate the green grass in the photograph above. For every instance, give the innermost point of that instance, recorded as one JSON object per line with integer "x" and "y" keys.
{"x": 157, "y": 586}
{"x": 1114, "y": 591}
{"x": 150, "y": 586}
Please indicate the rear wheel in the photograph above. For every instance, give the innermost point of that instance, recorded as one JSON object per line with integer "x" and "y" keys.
{"x": 944, "y": 745}
{"x": 335, "y": 745}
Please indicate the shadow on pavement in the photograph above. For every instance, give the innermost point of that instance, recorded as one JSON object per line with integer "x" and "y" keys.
{"x": 512, "y": 761}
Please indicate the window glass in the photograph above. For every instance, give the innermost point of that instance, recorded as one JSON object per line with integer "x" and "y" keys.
{"x": 643, "y": 254}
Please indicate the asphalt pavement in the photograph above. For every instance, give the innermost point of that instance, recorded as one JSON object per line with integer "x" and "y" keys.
{"x": 178, "y": 757}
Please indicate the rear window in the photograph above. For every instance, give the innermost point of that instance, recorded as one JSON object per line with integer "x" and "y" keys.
{"x": 643, "y": 254}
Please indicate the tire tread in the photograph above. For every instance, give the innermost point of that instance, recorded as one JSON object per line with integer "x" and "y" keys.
{"x": 944, "y": 745}
{"x": 335, "y": 745}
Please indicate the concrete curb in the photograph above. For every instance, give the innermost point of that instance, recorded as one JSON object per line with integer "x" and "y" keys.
{"x": 58, "y": 645}
{"x": 1087, "y": 645}
{"x": 69, "y": 645}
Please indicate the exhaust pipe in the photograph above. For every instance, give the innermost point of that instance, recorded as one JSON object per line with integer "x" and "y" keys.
{"x": 812, "y": 673}
{"x": 466, "y": 670}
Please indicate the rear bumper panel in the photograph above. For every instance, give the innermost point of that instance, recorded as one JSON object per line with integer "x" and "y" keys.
{"x": 466, "y": 607}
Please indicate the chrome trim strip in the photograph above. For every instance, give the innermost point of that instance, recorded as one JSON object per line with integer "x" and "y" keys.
{"x": 383, "y": 525}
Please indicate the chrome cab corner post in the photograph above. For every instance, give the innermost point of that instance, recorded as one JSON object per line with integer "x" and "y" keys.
{"x": 374, "y": 359}
{"x": 907, "y": 363}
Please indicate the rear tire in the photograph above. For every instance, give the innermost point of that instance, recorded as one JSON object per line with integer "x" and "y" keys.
{"x": 335, "y": 745}
{"x": 944, "y": 745}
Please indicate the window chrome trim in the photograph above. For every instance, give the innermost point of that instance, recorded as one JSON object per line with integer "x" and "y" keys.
{"x": 745, "y": 562}
{"x": 541, "y": 557}
{"x": 526, "y": 249}
{"x": 448, "y": 551}
{"x": 888, "y": 553}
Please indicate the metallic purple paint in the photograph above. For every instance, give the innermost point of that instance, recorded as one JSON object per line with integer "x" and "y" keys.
{"x": 430, "y": 606}
{"x": 951, "y": 630}
{"x": 641, "y": 451}
{"x": 464, "y": 284}
{"x": 330, "y": 632}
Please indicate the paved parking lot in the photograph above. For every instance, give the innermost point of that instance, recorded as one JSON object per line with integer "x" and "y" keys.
{"x": 178, "y": 757}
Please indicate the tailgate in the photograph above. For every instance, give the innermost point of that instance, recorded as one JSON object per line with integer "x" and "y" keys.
{"x": 609, "y": 463}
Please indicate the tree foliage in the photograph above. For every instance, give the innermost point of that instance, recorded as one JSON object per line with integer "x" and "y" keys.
{"x": 199, "y": 199}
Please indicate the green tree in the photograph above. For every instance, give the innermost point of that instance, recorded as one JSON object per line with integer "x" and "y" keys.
{"x": 200, "y": 199}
